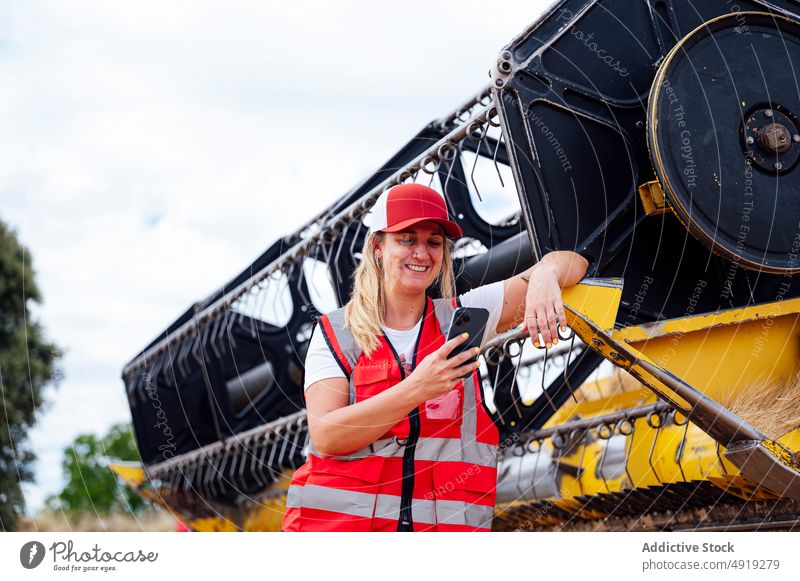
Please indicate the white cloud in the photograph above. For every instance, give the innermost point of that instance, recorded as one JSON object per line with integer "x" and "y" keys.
{"x": 153, "y": 149}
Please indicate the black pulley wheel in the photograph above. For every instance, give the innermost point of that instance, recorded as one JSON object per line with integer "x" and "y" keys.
{"x": 724, "y": 136}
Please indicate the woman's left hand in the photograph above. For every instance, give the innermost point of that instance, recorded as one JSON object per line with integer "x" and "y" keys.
{"x": 544, "y": 309}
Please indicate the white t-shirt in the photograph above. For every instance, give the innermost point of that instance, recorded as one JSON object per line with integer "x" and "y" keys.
{"x": 320, "y": 363}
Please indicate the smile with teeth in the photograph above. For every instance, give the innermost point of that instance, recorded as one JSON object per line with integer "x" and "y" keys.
{"x": 416, "y": 267}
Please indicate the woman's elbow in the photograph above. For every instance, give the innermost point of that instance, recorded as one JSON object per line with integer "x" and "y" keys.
{"x": 321, "y": 442}
{"x": 571, "y": 266}
{"x": 327, "y": 443}
{"x": 582, "y": 265}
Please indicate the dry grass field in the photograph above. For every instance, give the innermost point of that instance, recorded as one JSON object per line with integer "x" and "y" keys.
{"x": 47, "y": 521}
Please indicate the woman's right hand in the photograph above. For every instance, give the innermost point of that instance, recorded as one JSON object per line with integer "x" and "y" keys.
{"x": 435, "y": 375}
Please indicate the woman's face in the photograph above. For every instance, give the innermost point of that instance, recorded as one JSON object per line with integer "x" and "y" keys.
{"x": 412, "y": 258}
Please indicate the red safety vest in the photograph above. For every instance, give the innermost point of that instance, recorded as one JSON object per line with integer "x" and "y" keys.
{"x": 424, "y": 474}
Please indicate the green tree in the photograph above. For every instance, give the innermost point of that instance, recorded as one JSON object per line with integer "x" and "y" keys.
{"x": 27, "y": 364}
{"x": 92, "y": 488}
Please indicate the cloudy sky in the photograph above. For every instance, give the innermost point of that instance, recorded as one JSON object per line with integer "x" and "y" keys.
{"x": 151, "y": 150}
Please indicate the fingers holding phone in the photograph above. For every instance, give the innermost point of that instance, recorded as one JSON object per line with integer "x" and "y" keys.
{"x": 441, "y": 371}
{"x": 457, "y": 358}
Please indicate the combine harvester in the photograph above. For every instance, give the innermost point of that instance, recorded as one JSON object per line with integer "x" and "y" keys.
{"x": 658, "y": 138}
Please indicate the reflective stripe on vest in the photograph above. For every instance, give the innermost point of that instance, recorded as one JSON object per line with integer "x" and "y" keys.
{"x": 365, "y": 505}
{"x": 462, "y": 452}
{"x": 442, "y": 449}
{"x": 336, "y": 335}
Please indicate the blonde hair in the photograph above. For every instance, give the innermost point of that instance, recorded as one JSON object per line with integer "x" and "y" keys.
{"x": 364, "y": 312}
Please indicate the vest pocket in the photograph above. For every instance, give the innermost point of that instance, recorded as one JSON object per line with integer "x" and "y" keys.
{"x": 445, "y": 408}
{"x": 370, "y": 378}
{"x": 373, "y": 377}
{"x": 464, "y": 496}
{"x": 341, "y": 494}
{"x": 442, "y": 417}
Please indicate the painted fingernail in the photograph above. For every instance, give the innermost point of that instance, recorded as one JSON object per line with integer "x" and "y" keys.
{"x": 563, "y": 328}
{"x": 476, "y": 350}
{"x": 549, "y": 345}
{"x": 555, "y": 341}
{"x": 465, "y": 335}
{"x": 536, "y": 344}
{"x": 479, "y": 364}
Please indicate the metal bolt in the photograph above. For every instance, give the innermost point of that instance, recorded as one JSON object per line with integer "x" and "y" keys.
{"x": 596, "y": 342}
{"x": 750, "y": 140}
{"x": 796, "y": 138}
{"x": 778, "y": 165}
{"x": 775, "y": 138}
{"x": 768, "y": 113}
{"x": 498, "y": 83}
{"x": 614, "y": 355}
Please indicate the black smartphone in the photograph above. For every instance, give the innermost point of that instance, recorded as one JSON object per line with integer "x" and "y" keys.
{"x": 470, "y": 320}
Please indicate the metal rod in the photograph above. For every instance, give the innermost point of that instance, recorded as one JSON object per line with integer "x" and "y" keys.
{"x": 587, "y": 423}
{"x": 218, "y": 447}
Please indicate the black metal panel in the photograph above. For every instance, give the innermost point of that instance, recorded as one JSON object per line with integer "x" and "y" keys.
{"x": 572, "y": 92}
{"x": 605, "y": 50}
{"x": 185, "y": 405}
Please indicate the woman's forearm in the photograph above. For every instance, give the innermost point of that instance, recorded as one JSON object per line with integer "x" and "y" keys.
{"x": 569, "y": 267}
{"x": 352, "y": 427}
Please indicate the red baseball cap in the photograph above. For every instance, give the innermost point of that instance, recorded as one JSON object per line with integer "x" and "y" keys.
{"x": 401, "y": 206}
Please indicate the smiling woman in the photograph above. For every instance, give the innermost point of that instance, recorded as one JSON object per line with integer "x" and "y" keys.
{"x": 399, "y": 441}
